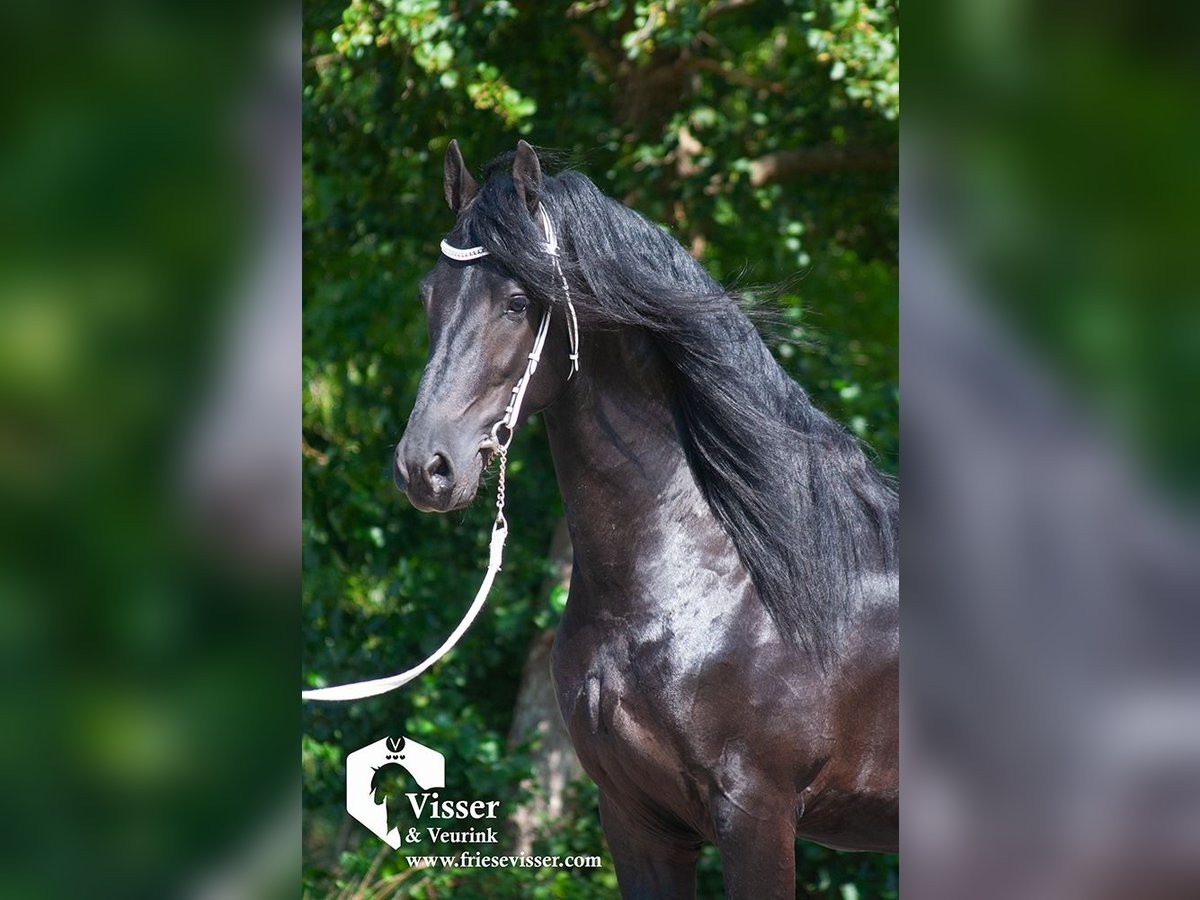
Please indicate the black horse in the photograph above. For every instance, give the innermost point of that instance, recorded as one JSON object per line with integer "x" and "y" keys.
{"x": 727, "y": 663}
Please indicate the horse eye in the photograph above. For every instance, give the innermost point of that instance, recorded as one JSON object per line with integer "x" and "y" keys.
{"x": 517, "y": 304}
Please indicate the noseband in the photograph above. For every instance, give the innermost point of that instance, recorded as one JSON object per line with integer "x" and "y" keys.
{"x": 360, "y": 689}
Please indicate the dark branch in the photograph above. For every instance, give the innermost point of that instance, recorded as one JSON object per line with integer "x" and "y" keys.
{"x": 735, "y": 76}
{"x": 784, "y": 164}
{"x": 723, "y": 6}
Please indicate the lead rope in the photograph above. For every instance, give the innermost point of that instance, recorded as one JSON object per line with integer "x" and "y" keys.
{"x": 361, "y": 689}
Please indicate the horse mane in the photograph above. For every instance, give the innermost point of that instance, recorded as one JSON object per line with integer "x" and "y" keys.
{"x": 794, "y": 490}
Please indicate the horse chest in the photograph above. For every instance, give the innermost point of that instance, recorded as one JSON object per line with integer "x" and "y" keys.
{"x": 622, "y": 720}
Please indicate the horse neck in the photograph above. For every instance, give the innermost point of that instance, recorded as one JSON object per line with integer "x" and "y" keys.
{"x": 617, "y": 453}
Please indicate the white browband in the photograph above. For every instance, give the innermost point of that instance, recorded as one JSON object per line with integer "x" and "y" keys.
{"x": 463, "y": 255}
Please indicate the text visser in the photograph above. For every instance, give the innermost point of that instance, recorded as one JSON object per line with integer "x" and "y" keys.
{"x": 452, "y": 809}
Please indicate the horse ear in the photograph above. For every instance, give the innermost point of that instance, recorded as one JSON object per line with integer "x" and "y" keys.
{"x": 460, "y": 186}
{"x": 527, "y": 176}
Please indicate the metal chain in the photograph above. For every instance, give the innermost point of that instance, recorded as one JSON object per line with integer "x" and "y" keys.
{"x": 501, "y": 522}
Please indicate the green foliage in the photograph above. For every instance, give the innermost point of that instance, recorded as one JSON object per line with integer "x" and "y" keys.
{"x": 763, "y": 135}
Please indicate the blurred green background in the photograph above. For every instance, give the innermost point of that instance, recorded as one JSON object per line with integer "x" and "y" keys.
{"x": 763, "y": 135}
{"x": 142, "y": 736}
{"x": 1055, "y": 146}
{"x": 1051, "y": 341}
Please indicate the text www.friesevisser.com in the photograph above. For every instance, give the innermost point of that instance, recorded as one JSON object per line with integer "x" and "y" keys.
{"x": 479, "y": 861}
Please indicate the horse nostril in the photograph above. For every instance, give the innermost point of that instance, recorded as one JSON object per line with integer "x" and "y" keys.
{"x": 438, "y": 468}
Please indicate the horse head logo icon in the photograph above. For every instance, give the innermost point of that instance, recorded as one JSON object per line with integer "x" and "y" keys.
{"x": 377, "y": 778}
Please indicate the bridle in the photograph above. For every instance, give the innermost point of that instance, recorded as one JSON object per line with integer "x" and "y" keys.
{"x": 550, "y": 247}
{"x": 499, "y": 445}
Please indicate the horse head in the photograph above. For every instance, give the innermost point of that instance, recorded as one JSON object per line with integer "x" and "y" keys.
{"x": 483, "y": 319}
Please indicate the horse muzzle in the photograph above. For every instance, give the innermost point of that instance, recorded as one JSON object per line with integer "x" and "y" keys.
{"x": 437, "y": 480}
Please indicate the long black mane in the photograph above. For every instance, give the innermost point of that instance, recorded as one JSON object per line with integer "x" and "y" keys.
{"x": 805, "y": 508}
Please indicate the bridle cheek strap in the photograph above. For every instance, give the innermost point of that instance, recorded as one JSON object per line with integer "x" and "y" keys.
{"x": 513, "y": 411}
{"x": 361, "y": 689}
{"x": 470, "y": 254}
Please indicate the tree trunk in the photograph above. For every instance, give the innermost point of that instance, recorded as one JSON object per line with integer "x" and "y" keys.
{"x": 555, "y": 765}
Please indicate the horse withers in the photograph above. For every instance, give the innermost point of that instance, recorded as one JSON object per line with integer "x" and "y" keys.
{"x": 727, "y": 663}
